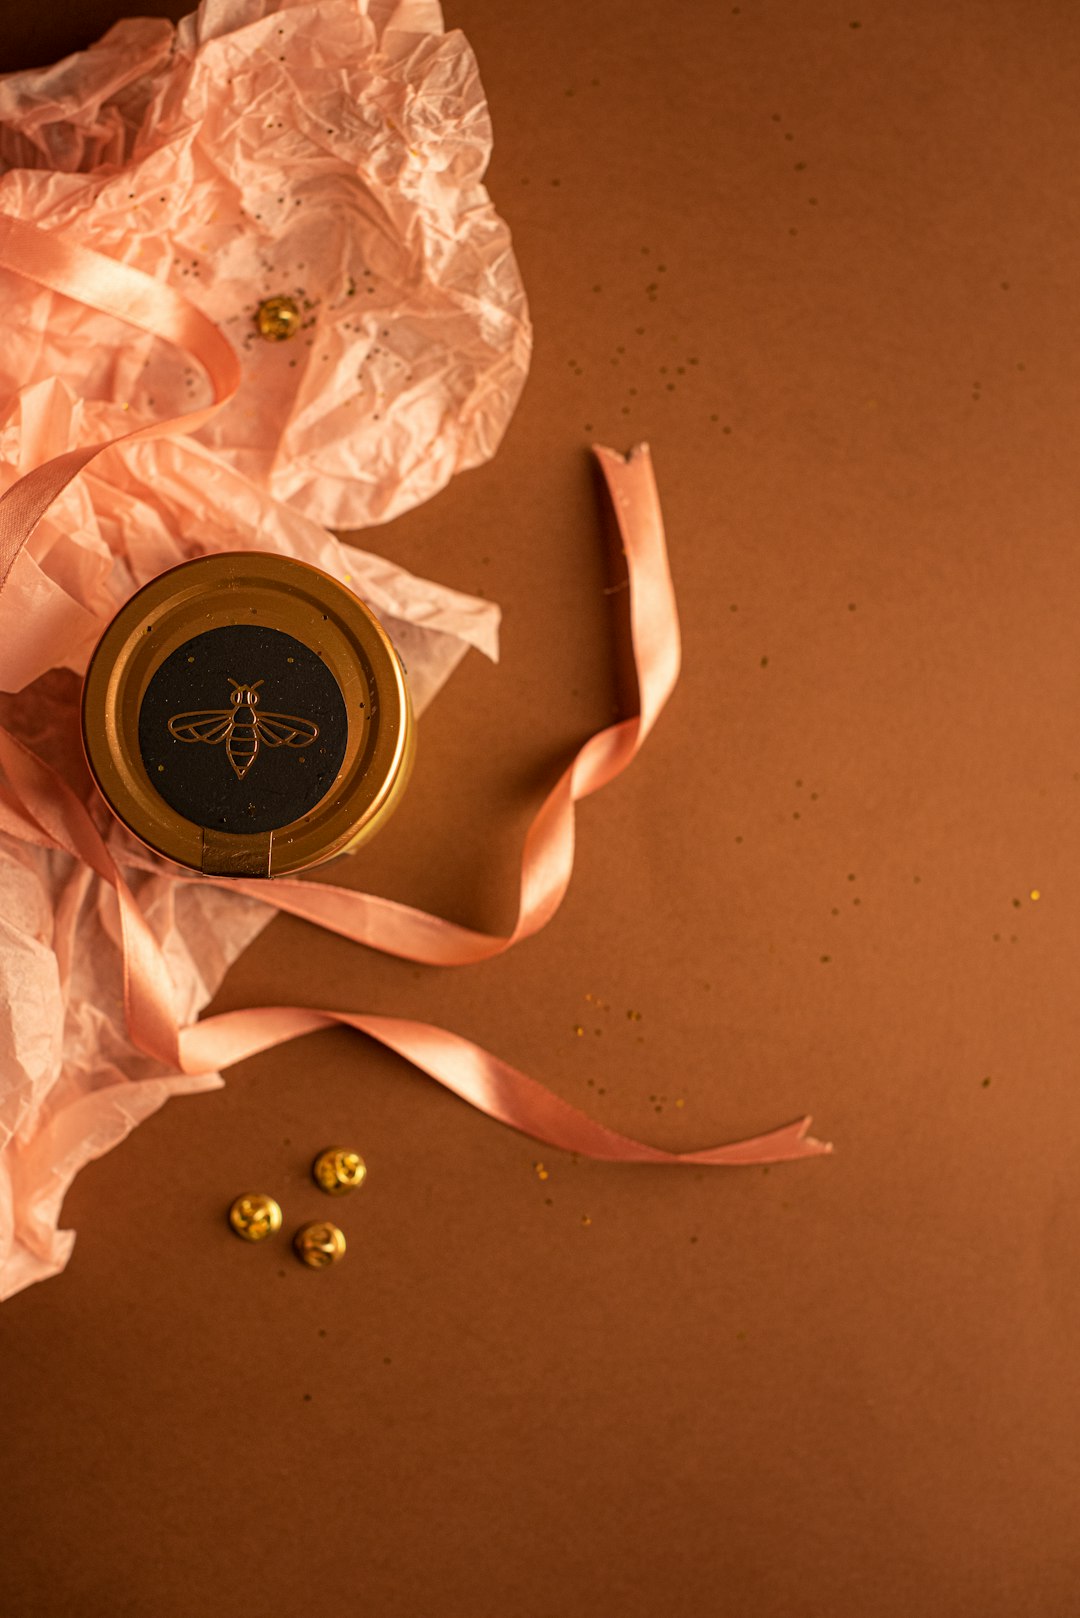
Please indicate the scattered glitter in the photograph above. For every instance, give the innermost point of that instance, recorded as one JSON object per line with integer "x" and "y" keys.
{"x": 634, "y": 1016}
{"x": 585, "y": 1220}
{"x": 1035, "y": 894}
{"x": 578, "y": 1030}
{"x": 541, "y": 1171}
{"x": 680, "y": 1102}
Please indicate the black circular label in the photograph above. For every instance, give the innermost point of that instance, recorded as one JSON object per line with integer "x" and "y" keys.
{"x": 243, "y": 729}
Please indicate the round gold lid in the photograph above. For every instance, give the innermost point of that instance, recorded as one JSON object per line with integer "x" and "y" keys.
{"x": 246, "y": 715}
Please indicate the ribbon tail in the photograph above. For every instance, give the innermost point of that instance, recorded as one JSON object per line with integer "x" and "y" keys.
{"x": 485, "y": 1081}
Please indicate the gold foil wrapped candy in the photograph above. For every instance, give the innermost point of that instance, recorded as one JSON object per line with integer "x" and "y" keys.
{"x": 277, "y": 319}
{"x": 338, "y": 1171}
{"x": 319, "y": 1244}
{"x": 255, "y": 1216}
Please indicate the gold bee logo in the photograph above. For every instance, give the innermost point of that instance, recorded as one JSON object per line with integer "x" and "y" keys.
{"x": 242, "y": 729}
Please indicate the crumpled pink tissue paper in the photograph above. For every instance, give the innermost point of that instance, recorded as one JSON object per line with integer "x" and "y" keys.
{"x": 331, "y": 151}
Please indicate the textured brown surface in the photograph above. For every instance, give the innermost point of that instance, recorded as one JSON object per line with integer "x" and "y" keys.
{"x": 845, "y": 1389}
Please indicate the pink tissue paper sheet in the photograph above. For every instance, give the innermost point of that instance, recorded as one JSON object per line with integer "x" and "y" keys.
{"x": 329, "y": 152}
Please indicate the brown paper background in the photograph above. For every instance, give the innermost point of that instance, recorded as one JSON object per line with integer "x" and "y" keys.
{"x": 842, "y": 1389}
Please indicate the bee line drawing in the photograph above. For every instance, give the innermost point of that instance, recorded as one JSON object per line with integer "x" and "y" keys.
{"x": 243, "y": 730}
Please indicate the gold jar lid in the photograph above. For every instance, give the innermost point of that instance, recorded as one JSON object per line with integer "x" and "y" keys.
{"x": 246, "y": 715}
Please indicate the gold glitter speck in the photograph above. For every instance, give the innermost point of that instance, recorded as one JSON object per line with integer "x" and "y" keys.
{"x": 1035, "y": 894}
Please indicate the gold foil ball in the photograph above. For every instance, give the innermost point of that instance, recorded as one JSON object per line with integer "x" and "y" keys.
{"x": 277, "y": 319}
{"x": 338, "y": 1170}
{"x": 255, "y": 1216}
{"x": 319, "y": 1244}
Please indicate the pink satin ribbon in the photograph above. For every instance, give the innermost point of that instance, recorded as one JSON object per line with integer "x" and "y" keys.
{"x": 131, "y": 295}
{"x": 38, "y": 805}
{"x": 548, "y": 857}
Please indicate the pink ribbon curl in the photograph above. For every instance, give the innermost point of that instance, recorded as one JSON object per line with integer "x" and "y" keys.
{"x": 40, "y": 807}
